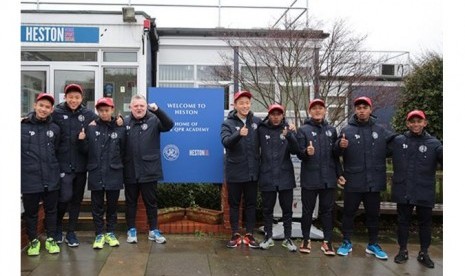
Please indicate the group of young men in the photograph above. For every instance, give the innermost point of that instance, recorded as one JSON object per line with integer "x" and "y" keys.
{"x": 258, "y": 157}
{"x": 65, "y": 146}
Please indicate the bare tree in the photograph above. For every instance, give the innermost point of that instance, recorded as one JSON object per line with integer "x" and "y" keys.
{"x": 292, "y": 64}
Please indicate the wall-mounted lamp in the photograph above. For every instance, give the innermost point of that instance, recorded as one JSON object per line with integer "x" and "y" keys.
{"x": 129, "y": 15}
{"x": 146, "y": 25}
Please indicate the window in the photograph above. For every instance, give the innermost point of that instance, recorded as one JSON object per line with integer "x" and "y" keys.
{"x": 213, "y": 73}
{"x": 33, "y": 82}
{"x": 120, "y": 56}
{"x": 176, "y": 73}
{"x": 58, "y": 56}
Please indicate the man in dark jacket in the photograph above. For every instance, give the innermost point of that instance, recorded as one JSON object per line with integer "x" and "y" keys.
{"x": 277, "y": 143}
{"x": 104, "y": 144}
{"x": 71, "y": 116}
{"x": 240, "y": 139}
{"x": 142, "y": 163}
{"x": 40, "y": 172}
{"x": 415, "y": 156}
{"x": 319, "y": 173}
{"x": 363, "y": 146}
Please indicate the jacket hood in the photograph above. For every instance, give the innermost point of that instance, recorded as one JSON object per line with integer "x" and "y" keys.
{"x": 371, "y": 120}
{"x": 311, "y": 122}
{"x": 233, "y": 115}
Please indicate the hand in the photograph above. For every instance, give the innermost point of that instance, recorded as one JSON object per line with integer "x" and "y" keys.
{"x": 82, "y": 135}
{"x": 285, "y": 131}
{"x": 93, "y": 123}
{"x": 119, "y": 120}
{"x": 341, "y": 181}
{"x": 310, "y": 149}
{"x": 292, "y": 127}
{"x": 153, "y": 106}
{"x": 344, "y": 143}
{"x": 244, "y": 131}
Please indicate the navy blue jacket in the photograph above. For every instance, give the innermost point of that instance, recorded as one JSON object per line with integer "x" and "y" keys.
{"x": 364, "y": 160}
{"x": 39, "y": 163}
{"x": 142, "y": 159}
{"x": 242, "y": 153}
{"x": 414, "y": 159}
{"x": 276, "y": 168}
{"x": 104, "y": 146}
{"x": 321, "y": 170}
{"x": 71, "y": 123}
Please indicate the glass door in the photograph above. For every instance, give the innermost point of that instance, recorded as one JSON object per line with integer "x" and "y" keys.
{"x": 120, "y": 84}
{"x": 82, "y": 75}
{"x": 33, "y": 82}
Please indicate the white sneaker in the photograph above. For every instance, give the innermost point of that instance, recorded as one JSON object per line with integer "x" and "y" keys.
{"x": 155, "y": 235}
{"x": 267, "y": 243}
{"x": 289, "y": 245}
{"x": 132, "y": 235}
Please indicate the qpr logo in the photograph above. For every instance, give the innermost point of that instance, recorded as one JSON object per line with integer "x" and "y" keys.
{"x": 422, "y": 148}
{"x": 81, "y": 118}
{"x": 171, "y": 152}
{"x": 50, "y": 133}
{"x": 374, "y": 135}
{"x": 254, "y": 126}
{"x": 144, "y": 126}
{"x": 114, "y": 135}
{"x": 328, "y": 133}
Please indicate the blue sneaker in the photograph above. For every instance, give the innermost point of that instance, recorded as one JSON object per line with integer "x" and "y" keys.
{"x": 59, "y": 236}
{"x": 375, "y": 249}
{"x": 71, "y": 239}
{"x": 132, "y": 235}
{"x": 155, "y": 235}
{"x": 345, "y": 248}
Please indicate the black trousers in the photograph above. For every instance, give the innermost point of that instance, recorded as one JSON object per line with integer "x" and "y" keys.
{"x": 149, "y": 196}
{"x": 71, "y": 194}
{"x": 285, "y": 202}
{"x": 31, "y": 212}
{"x": 325, "y": 209}
{"x": 235, "y": 191}
{"x": 371, "y": 201}
{"x": 98, "y": 209}
{"x": 404, "y": 218}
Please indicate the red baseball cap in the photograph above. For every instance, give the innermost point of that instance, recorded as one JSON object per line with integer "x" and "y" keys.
{"x": 275, "y": 107}
{"x": 73, "y": 88}
{"x": 244, "y": 93}
{"x": 45, "y": 96}
{"x": 315, "y": 102}
{"x": 362, "y": 100}
{"x": 416, "y": 113}
{"x": 104, "y": 101}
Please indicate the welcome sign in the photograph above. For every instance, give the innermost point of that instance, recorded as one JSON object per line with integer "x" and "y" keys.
{"x": 192, "y": 150}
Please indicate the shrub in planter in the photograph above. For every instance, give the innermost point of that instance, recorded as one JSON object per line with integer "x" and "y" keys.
{"x": 204, "y": 215}
{"x": 171, "y": 214}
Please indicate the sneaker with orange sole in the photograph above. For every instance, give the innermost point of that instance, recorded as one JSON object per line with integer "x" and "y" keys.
{"x": 250, "y": 241}
{"x": 235, "y": 240}
{"x": 327, "y": 248}
{"x": 305, "y": 247}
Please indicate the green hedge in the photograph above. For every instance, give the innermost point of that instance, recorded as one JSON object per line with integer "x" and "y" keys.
{"x": 188, "y": 195}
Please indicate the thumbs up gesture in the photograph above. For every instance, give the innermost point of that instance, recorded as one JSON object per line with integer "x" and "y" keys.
{"x": 119, "y": 120}
{"x": 344, "y": 143}
{"x": 82, "y": 135}
{"x": 310, "y": 149}
{"x": 244, "y": 131}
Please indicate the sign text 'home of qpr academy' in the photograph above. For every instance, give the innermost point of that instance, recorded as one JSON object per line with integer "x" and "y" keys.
{"x": 191, "y": 151}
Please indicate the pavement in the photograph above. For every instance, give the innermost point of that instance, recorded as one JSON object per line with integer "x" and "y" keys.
{"x": 204, "y": 254}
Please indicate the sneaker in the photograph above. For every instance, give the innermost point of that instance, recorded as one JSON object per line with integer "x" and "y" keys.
{"x": 401, "y": 257}
{"x": 99, "y": 242}
{"x": 376, "y": 250}
{"x": 235, "y": 240}
{"x": 289, "y": 244}
{"x": 305, "y": 247}
{"x": 327, "y": 248}
{"x": 34, "y": 248}
{"x": 267, "y": 243}
{"x": 250, "y": 241}
{"x": 52, "y": 246}
{"x": 345, "y": 248}
{"x": 71, "y": 239}
{"x": 111, "y": 239}
{"x": 425, "y": 260}
{"x": 155, "y": 235}
{"x": 59, "y": 235}
{"x": 132, "y": 235}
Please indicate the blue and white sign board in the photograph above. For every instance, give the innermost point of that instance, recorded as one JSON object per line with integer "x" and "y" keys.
{"x": 60, "y": 34}
{"x": 192, "y": 149}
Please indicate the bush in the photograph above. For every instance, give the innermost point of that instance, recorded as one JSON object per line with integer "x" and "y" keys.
{"x": 187, "y": 195}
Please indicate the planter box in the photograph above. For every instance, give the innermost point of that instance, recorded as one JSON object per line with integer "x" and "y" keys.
{"x": 171, "y": 214}
{"x": 204, "y": 215}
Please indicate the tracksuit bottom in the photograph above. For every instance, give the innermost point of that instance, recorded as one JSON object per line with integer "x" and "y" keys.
{"x": 371, "y": 201}
{"x": 71, "y": 194}
{"x": 325, "y": 209}
{"x": 235, "y": 191}
{"x": 98, "y": 209}
{"x": 148, "y": 191}
{"x": 31, "y": 212}
{"x": 285, "y": 202}
{"x": 424, "y": 214}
